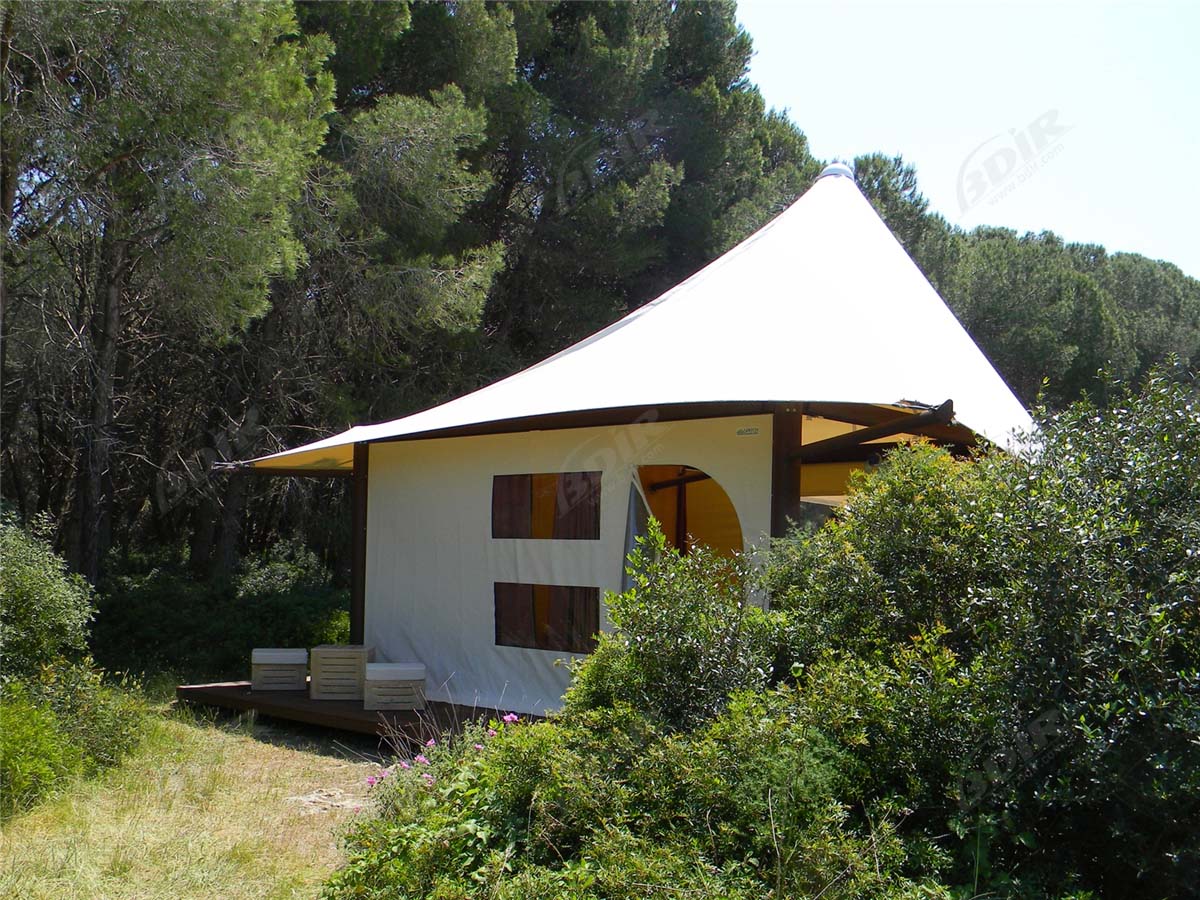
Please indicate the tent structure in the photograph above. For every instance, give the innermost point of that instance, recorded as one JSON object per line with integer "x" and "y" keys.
{"x": 487, "y": 528}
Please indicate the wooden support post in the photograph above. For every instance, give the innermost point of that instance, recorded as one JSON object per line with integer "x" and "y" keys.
{"x": 787, "y": 424}
{"x": 681, "y": 518}
{"x": 682, "y": 479}
{"x": 358, "y": 543}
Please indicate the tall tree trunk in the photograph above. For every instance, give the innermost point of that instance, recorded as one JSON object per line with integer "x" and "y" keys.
{"x": 95, "y": 500}
{"x": 8, "y": 181}
{"x": 233, "y": 507}
{"x": 203, "y": 536}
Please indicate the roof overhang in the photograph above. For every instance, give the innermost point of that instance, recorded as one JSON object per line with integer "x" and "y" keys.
{"x": 334, "y": 456}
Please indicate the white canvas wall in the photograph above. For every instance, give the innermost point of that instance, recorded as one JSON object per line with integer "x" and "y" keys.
{"x": 431, "y": 560}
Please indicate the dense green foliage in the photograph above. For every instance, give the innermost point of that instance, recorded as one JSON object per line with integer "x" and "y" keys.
{"x": 324, "y": 213}
{"x": 154, "y": 616}
{"x": 685, "y": 639}
{"x": 642, "y": 789}
{"x": 44, "y": 609}
{"x": 152, "y": 156}
{"x": 59, "y": 719}
{"x": 987, "y": 683}
{"x": 1064, "y": 587}
{"x": 35, "y": 754}
{"x": 66, "y": 723}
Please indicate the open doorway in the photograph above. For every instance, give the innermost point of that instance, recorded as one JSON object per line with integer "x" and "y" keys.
{"x": 691, "y": 507}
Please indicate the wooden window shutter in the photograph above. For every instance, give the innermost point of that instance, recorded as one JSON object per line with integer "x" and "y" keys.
{"x": 577, "y": 513}
{"x": 512, "y": 506}
{"x": 514, "y": 615}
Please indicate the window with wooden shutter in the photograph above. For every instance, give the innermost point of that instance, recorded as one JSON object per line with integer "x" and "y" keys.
{"x": 547, "y": 617}
{"x": 544, "y": 506}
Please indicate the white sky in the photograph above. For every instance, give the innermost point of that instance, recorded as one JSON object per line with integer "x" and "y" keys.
{"x": 1117, "y": 87}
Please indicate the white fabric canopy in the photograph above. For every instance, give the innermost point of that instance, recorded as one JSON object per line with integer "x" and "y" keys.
{"x": 821, "y": 304}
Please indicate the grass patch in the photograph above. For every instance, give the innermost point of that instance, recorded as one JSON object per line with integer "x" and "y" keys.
{"x": 204, "y": 808}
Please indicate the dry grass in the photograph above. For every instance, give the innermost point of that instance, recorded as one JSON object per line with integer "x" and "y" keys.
{"x": 202, "y": 810}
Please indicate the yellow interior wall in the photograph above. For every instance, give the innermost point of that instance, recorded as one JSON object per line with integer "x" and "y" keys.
{"x": 825, "y": 479}
{"x": 711, "y": 517}
{"x": 661, "y": 503}
{"x": 545, "y": 492}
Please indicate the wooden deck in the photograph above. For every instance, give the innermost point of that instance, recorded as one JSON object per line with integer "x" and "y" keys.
{"x": 346, "y": 715}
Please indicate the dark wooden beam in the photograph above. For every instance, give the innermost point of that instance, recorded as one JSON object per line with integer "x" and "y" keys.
{"x": 868, "y": 415}
{"x": 681, "y": 518}
{"x": 787, "y": 433}
{"x": 862, "y": 453}
{"x": 910, "y": 423}
{"x": 358, "y": 542}
{"x": 682, "y": 479}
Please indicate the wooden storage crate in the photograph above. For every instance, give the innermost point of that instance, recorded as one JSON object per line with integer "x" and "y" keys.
{"x": 278, "y": 669}
{"x": 338, "y": 671}
{"x": 394, "y": 686}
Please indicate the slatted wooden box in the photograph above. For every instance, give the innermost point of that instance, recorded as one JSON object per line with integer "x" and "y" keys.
{"x": 338, "y": 671}
{"x": 394, "y": 686}
{"x": 278, "y": 669}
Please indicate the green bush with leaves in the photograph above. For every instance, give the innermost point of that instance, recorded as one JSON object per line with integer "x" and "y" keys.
{"x": 59, "y": 716}
{"x": 36, "y": 755}
{"x": 44, "y": 609}
{"x": 911, "y": 549}
{"x": 100, "y": 716}
{"x": 674, "y": 768}
{"x": 155, "y": 616}
{"x": 686, "y": 635}
{"x": 1064, "y": 586}
{"x": 602, "y": 805}
{"x": 65, "y": 723}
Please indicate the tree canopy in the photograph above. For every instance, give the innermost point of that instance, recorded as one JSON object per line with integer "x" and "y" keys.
{"x": 231, "y": 227}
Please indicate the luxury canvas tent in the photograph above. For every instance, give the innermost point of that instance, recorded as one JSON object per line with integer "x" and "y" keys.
{"x": 487, "y": 529}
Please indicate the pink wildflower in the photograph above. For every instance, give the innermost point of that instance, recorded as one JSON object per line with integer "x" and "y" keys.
{"x": 431, "y": 743}
{"x": 371, "y": 781}
{"x": 384, "y": 774}
{"x": 404, "y": 765}
{"x": 429, "y": 779}
{"x": 420, "y": 757}
{"x": 479, "y": 746}
{"x": 491, "y": 732}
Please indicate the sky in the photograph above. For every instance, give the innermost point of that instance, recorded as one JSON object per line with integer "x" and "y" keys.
{"x": 1082, "y": 119}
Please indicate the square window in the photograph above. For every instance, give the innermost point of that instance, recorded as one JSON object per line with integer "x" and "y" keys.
{"x": 547, "y": 617}
{"x": 544, "y": 506}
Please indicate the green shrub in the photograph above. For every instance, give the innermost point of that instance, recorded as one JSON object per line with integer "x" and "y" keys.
{"x": 63, "y": 724}
{"x": 685, "y": 637}
{"x": 58, "y": 717}
{"x": 155, "y": 616}
{"x": 37, "y": 756}
{"x": 104, "y": 721}
{"x": 44, "y": 610}
{"x": 600, "y": 804}
{"x": 1064, "y": 588}
{"x": 910, "y": 550}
